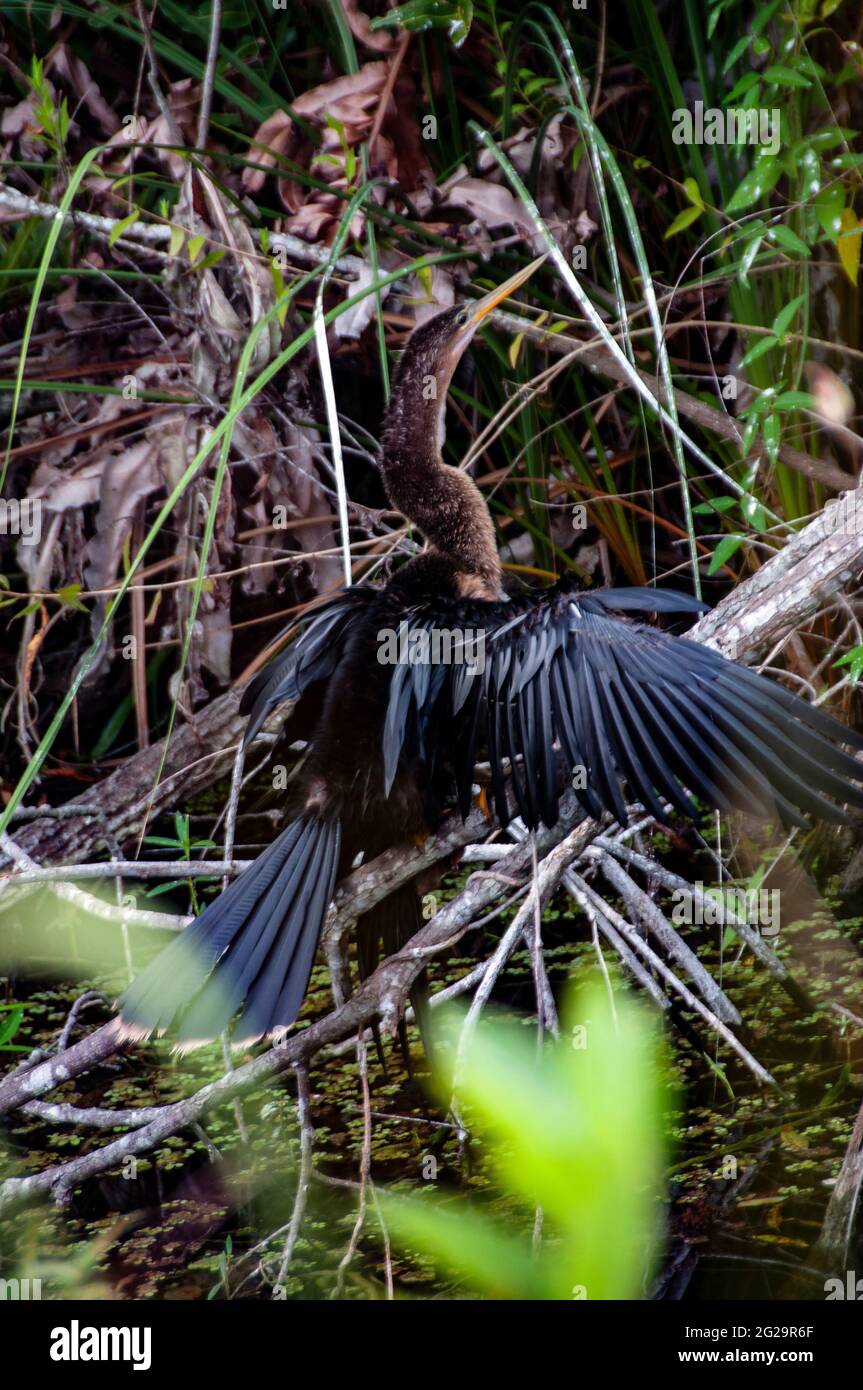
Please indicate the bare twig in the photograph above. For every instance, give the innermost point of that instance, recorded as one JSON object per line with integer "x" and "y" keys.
{"x": 209, "y": 74}
{"x": 303, "y": 1177}
{"x": 641, "y": 948}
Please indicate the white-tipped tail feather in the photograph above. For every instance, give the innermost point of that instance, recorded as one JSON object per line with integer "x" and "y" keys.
{"x": 252, "y": 947}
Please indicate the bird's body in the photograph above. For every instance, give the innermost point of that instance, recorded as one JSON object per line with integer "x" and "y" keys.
{"x": 401, "y": 686}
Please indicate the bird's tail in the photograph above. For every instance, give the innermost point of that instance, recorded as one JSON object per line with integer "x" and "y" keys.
{"x": 253, "y": 945}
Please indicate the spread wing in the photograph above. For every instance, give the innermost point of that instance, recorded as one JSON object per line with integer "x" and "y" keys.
{"x": 312, "y": 656}
{"x": 627, "y": 705}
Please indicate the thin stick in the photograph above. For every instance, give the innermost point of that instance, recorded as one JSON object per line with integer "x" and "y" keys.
{"x": 304, "y": 1177}
{"x": 209, "y": 74}
{"x": 691, "y": 1000}
{"x": 365, "y": 1166}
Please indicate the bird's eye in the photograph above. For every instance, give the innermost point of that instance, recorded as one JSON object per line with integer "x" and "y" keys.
{"x": 462, "y": 317}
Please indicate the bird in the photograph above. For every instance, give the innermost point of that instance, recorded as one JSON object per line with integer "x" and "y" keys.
{"x": 404, "y": 684}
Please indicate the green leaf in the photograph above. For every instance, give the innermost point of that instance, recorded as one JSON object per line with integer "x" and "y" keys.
{"x": 783, "y": 76}
{"x": 749, "y": 434}
{"x": 212, "y": 258}
{"x": 771, "y": 431}
{"x": 724, "y": 550}
{"x": 466, "y": 1244}
{"x": 788, "y": 240}
{"x": 123, "y": 225}
{"x": 196, "y": 246}
{"x": 854, "y": 660}
{"x": 795, "y": 400}
{"x": 747, "y": 258}
{"x": 9, "y": 1026}
{"x": 746, "y": 83}
{"x": 822, "y": 140}
{"x": 763, "y": 345}
{"x": 810, "y": 175}
{"x": 683, "y": 220}
{"x": 755, "y": 184}
{"x": 417, "y": 15}
{"x": 572, "y": 1128}
{"x": 764, "y": 15}
{"x": 736, "y": 52}
{"x": 828, "y": 204}
{"x": 68, "y": 596}
{"x": 716, "y": 504}
{"x": 753, "y": 511}
{"x": 693, "y": 193}
{"x": 536, "y": 84}
{"x": 784, "y": 318}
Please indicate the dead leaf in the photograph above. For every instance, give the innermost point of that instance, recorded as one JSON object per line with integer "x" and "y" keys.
{"x": 442, "y": 294}
{"x": 62, "y": 489}
{"x": 381, "y": 40}
{"x": 67, "y": 65}
{"x": 366, "y": 83}
{"x": 356, "y": 320}
{"x": 216, "y": 635}
{"x": 271, "y": 141}
{"x": 126, "y": 479}
{"x": 493, "y": 206}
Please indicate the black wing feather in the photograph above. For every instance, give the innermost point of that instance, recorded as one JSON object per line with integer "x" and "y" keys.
{"x": 649, "y": 715}
{"x": 312, "y": 656}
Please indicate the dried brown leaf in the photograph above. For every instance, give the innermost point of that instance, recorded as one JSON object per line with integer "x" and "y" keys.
{"x": 126, "y": 479}
{"x": 69, "y": 66}
{"x": 380, "y": 40}
{"x": 271, "y": 141}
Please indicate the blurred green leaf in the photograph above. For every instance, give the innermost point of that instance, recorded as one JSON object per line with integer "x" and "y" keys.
{"x": 854, "y": 660}
{"x": 785, "y": 77}
{"x": 788, "y": 240}
{"x": 683, "y": 220}
{"x": 575, "y": 1128}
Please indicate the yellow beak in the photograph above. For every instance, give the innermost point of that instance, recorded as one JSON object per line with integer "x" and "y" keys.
{"x": 496, "y": 296}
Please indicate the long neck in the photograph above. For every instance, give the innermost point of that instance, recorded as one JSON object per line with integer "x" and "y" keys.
{"x": 444, "y": 503}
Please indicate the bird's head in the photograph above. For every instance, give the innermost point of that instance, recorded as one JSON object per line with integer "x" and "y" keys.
{"x": 436, "y": 346}
{"x": 443, "y": 502}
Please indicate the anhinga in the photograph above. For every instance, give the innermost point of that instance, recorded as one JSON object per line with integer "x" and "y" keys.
{"x": 560, "y": 669}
